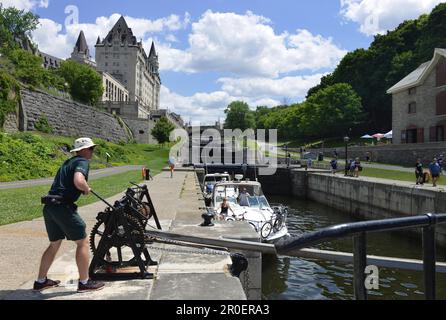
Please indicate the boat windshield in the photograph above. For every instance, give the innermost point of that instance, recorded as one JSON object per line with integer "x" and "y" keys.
{"x": 215, "y": 179}
{"x": 263, "y": 202}
{"x": 258, "y": 202}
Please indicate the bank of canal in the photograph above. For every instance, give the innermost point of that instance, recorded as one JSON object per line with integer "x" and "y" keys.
{"x": 306, "y": 279}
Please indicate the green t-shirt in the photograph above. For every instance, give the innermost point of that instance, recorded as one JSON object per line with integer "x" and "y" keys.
{"x": 63, "y": 184}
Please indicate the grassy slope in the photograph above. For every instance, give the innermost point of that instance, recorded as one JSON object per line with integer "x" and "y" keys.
{"x": 24, "y": 204}
{"x": 26, "y": 156}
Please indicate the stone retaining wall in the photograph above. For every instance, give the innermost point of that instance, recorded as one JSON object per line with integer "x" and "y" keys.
{"x": 68, "y": 118}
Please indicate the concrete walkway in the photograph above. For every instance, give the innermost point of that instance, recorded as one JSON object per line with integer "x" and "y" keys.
{"x": 22, "y": 244}
{"x": 183, "y": 276}
{"x": 94, "y": 174}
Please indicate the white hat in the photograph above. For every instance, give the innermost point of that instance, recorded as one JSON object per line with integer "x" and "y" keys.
{"x": 83, "y": 143}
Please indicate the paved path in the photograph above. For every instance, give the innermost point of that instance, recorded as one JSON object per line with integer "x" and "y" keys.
{"x": 22, "y": 244}
{"x": 94, "y": 174}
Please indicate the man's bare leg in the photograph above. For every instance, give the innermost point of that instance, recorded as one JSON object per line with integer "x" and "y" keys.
{"x": 48, "y": 258}
{"x": 82, "y": 258}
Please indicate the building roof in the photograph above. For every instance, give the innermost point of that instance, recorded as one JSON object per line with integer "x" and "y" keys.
{"x": 418, "y": 76}
{"x": 81, "y": 44}
{"x": 152, "y": 50}
{"x": 121, "y": 32}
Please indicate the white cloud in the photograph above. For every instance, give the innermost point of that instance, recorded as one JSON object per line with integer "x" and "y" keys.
{"x": 49, "y": 32}
{"x": 247, "y": 45}
{"x": 25, "y": 4}
{"x": 207, "y": 107}
{"x": 379, "y": 16}
{"x": 286, "y": 87}
{"x": 203, "y": 107}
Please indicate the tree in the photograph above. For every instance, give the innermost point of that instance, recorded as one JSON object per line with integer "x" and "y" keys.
{"x": 390, "y": 57}
{"x": 16, "y": 25}
{"x": 162, "y": 130}
{"x": 331, "y": 111}
{"x": 85, "y": 84}
{"x": 239, "y": 116}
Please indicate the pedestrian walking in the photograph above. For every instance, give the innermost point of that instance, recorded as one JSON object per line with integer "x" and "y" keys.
{"x": 334, "y": 165}
{"x": 171, "y": 163}
{"x": 62, "y": 221}
{"x": 357, "y": 168}
{"x": 434, "y": 169}
{"x": 419, "y": 174}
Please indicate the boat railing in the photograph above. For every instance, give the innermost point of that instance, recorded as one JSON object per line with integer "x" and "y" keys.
{"x": 358, "y": 231}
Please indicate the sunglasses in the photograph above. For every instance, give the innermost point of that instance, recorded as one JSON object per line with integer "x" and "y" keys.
{"x": 91, "y": 148}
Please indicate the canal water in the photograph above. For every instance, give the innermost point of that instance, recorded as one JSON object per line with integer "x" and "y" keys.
{"x": 286, "y": 278}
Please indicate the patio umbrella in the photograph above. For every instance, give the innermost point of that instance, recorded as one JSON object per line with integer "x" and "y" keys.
{"x": 378, "y": 136}
{"x": 389, "y": 135}
{"x": 367, "y": 136}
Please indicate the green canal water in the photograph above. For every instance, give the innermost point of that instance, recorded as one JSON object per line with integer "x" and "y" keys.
{"x": 286, "y": 278}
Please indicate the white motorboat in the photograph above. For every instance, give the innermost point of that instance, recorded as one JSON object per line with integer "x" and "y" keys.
{"x": 248, "y": 203}
{"x": 209, "y": 182}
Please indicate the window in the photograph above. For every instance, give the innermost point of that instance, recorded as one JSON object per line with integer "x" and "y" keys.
{"x": 413, "y": 107}
{"x": 441, "y": 73}
{"x": 412, "y": 91}
{"x": 441, "y": 103}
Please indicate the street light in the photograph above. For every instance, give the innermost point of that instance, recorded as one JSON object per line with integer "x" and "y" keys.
{"x": 346, "y": 140}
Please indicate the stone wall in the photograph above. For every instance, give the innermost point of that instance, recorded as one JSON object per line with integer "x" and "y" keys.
{"x": 376, "y": 200}
{"x": 426, "y": 111}
{"x": 68, "y": 118}
{"x": 405, "y": 154}
{"x": 11, "y": 124}
{"x": 141, "y": 129}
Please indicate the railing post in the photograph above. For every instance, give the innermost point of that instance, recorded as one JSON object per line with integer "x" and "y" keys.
{"x": 429, "y": 262}
{"x": 359, "y": 264}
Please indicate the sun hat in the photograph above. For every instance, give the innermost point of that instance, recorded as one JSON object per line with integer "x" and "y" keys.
{"x": 83, "y": 143}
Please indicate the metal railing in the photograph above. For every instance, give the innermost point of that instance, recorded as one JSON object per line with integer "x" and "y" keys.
{"x": 359, "y": 231}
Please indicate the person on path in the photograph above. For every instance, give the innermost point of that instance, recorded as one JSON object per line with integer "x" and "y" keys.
{"x": 62, "y": 221}
{"x": 419, "y": 172}
{"x": 434, "y": 169}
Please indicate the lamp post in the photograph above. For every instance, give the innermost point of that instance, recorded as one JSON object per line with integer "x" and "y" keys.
{"x": 346, "y": 140}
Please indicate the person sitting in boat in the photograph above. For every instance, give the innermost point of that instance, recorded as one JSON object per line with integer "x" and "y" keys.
{"x": 224, "y": 209}
{"x": 243, "y": 198}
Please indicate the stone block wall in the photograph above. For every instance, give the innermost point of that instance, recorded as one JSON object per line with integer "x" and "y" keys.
{"x": 141, "y": 129}
{"x": 404, "y": 154}
{"x": 11, "y": 124}
{"x": 68, "y": 118}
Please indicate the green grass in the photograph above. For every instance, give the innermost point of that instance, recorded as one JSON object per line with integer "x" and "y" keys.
{"x": 394, "y": 175}
{"x": 25, "y": 156}
{"x": 24, "y": 204}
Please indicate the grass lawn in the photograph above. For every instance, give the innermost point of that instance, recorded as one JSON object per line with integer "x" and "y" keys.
{"x": 395, "y": 175}
{"x": 24, "y": 204}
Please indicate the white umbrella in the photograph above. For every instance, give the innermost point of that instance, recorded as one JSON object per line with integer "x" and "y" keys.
{"x": 367, "y": 137}
{"x": 389, "y": 135}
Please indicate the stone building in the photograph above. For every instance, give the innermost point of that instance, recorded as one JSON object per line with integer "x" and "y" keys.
{"x": 81, "y": 52}
{"x": 49, "y": 61}
{"x": 114, "y": 90}
{"x": 122, "y": 56}
{"x": 419, "y": 103}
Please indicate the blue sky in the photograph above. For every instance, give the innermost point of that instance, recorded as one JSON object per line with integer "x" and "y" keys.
{"x": 213, "y": 52}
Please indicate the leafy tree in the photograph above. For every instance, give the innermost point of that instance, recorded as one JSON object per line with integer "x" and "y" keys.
{"x": 239, "y": 116}
{"x": 15, "y": 25}
{"x": 390, "y": 57}
{"x": 162, "y": 130}
{"x": 27, "y": 68}
{"x": 85, "y": 84}
{"x": 331, "y": 111}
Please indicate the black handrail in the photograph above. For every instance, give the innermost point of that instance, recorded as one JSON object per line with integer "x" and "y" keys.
{"x": 358, "y": 231}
